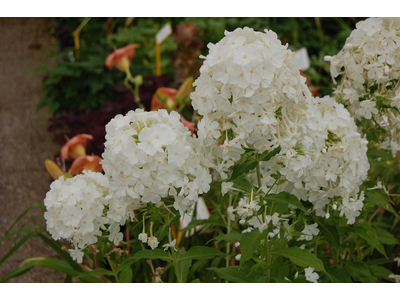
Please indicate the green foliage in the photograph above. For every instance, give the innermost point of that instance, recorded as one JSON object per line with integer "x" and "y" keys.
{"x": 79, "y": 84}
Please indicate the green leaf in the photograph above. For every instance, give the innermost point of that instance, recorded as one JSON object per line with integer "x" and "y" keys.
{"x": 50, "y": 263}
{"x": 213, "y": 221}
{"x": 381, "y": 272}
{"x": 242, "y": 184}
{"x": 149, "y": 254}
{"x": 99, "y": 271}
{"x": 249, "y": 243}
{"x": 380, "y": 198}
{"x": 183, "y": 269}
{"x": 285, "y": 198}
{"x": 338, "y": 275}
{"x": 126, "y": 275}
{"x": 375, "y": 153}
{"x": 38, "y": 205}
{"x": 242, "y": 169}
{"x": 234, "y": 274}
{"x": 234, "y": 236}
{"x": 360, "y": 272}
{"x": 201, "y": 252}
{"x": 267, "y": 155}
{"x": 197, "y": 280}
{"x": 301, "y": 257}
{"x": 386, "y": 237}
{"x": 21, "y": 230}
{"x": 330, "y": 234}
{"x": 368, "y": 233}
{"x": 65, "y": 255}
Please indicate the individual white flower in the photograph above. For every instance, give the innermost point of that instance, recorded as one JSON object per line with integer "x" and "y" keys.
{"x": 143, "y": 237}
{"x": 311, "y": 275}
{"x": 170, "y": 245}
{"x": 237, "y": 257}
{"x": 76, "y": 254}
{"x": 309, "y": 232}
{"x": 153, "y": 242}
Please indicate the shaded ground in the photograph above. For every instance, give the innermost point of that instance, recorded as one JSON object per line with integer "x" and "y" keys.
{"x": 24, "y": 140}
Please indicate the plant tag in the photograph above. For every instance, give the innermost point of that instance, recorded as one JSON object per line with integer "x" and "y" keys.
{"x": 302, "y": 58}
{"x": 163, "y": 33}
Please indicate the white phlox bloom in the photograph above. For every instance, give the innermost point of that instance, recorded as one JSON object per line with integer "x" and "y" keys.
{"x": 309, "y": 232}
{"x": 311, "y": 275}
{"x": 76, "y": 211}
{"x": 369, "y": 66}
{"x": 325, "y": 161}
{"x": 246, "y": 82}
{"x": 149, "y": 156}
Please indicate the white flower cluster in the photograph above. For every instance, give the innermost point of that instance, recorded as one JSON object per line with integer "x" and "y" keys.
{"x": 76, "y": 210}
{"x": 149, "y": 156}
{"x": 369, "y": 65}
{"x": 246, "y": 82}
{"x": 247, "y": 210}
{"x": 325, "y": 162}
{"x": 252, "y": 95}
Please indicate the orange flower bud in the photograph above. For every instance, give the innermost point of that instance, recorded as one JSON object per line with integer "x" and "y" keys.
{"x": 169, "y": 93}
{"x": 76, "y": 146}
{"x": 53, "y": 169}
{"x": 121, "y": 58}
{"x": 86, "y": 162}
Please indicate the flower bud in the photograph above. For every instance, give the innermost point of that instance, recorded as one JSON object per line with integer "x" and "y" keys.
{"x": 53, "y": 169}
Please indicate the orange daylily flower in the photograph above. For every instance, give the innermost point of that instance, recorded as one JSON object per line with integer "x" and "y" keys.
{"x": 121, "y": 58}
{"x": 86, "y": 162}
{"x": 76, "y": 146}
{"x": 168, "y": 93}
{"x": 53, "y": 169}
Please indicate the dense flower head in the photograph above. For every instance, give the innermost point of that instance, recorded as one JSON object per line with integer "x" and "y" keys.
{"x": 369, "y": 65}
{"x": 76, "y": 210}
{"x": 325, "y": 162}
{"x": 253, "y": 98}
{"x": 150, "y": 156}
{"x": 247, "y": 80}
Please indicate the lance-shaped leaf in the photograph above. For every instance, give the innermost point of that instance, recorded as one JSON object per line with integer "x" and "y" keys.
{"x": 234, "y": 274}
{"x": 249, "y": 243}
{"x": 301, "y": 257}
{"x": 368, "y": 233}
{"x": 242, "y": 184}
{"x": 330, "y": 233}
{"x": 243, "y": 168}
{"x": 201, "y": 252}
{"x": 149, "y": 254}
{"x": 284, "y": 198}
{"x": 267, "y": 155}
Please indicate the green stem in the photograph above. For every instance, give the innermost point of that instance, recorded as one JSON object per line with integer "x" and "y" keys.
{"x": 258, "y": 175}
{"x": 112, "y": 267}
{"x": 316, "y": 245}
{"x": 178, "y": 278}
{"x": 228, "y": 231}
